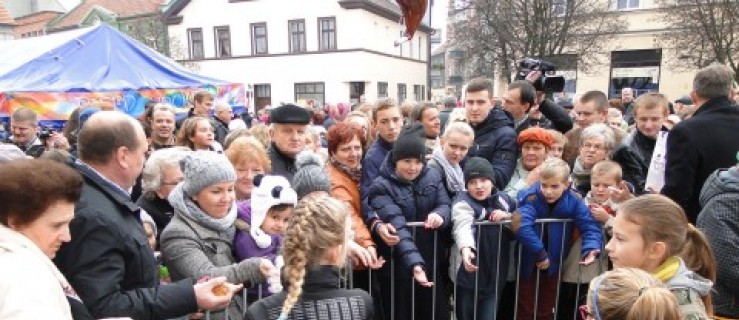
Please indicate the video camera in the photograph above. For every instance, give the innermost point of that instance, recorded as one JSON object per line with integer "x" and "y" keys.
{"x": 545, "y": 83}
{"x": 46, "y": 132}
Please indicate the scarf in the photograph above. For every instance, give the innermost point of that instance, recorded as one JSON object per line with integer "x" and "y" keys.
{"x": 579, "y": 173}
{"x": 667, "y": 269}
{"x": 454, "y": 173}
{"x": 354, "y": 174}
{"x": 188, "y": 208}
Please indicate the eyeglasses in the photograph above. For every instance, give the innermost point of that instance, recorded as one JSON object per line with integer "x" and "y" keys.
{"x": 584, "y": 313}
{"x": 596, "y": 147}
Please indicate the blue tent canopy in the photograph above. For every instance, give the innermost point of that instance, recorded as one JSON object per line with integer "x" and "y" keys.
{"x": 94, "y": 59}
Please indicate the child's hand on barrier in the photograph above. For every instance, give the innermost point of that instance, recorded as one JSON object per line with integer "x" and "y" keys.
{"x": 433, "y": 221}
{"x": 467, "y": 256}
{"x": 499, "y": 215}
{"x": 388, "y": 234}
{"x": 377, "y": 261}
{"x": 420, "y": 277}
{"x": 543, "y": 265}
{"x": 590, "y": 258}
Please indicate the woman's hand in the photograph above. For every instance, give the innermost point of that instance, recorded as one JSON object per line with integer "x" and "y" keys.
{"x": 376, "y": 262}
{"x": 420, "y": 277}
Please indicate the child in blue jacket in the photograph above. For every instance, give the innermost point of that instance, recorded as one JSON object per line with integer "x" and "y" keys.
{"x": 545, "y": 247}
{"x": 408, "y": 191}
{"x": 480, "y": 254}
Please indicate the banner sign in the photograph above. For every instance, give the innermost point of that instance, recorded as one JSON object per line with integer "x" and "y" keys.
{"x": 58, "y": 105}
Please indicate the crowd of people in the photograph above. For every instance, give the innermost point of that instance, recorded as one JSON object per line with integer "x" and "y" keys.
{"x": 510, "y": 209}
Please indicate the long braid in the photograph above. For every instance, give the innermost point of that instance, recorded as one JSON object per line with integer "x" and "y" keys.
{"x": 312, "y": 231}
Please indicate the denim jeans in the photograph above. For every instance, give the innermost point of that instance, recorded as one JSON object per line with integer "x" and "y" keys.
{"x": 465, "y": 305}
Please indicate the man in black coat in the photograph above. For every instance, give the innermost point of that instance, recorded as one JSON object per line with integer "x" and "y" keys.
{"x": 521, "y": 96}
{"x": 108, "y": 261}
{"x": 495, "y": 138}
{"x": 289, "y": 124}
{"x": 705, "y": 142}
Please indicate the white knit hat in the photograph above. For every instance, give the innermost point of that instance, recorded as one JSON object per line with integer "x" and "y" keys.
{"x": 270, "y": 191}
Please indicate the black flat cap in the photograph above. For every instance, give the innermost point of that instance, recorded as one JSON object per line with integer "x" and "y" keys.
{"x": 289, "y": 113}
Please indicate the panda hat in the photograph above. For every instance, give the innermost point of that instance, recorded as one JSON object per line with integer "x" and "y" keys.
{"x": 270, "y": 191}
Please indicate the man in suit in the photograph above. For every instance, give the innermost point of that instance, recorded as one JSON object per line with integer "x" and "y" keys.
{"x": 706, "y": 142}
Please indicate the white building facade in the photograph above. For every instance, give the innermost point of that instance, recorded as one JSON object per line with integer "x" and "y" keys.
{"x": 307, "y": 51}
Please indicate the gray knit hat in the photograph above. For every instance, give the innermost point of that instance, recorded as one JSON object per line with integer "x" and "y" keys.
{"x": 311, "y": 175}
{"x": 204, "y": 168}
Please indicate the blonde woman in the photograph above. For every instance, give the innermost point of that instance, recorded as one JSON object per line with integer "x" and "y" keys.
{"x": 314, "y": 251}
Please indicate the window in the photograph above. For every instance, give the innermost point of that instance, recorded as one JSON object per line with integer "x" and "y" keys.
{"x": 401, "y": 92}
{"x": 262, "y": 95}
{"x": 382, "y": 90}
{"x": 310, "y": 91}
{"x": 420, "y": 47}
{"x": 195, "y": 46}
{"x": 410, "y": 48}
{"x": 223, "y": 41}
{"x": 402, "y": 34}
{"x": 417, "y": 92}
{"x": 356, "y": 90}
{"x": 259, "y": 38}
{"x": 297, "y": 35}
{"x": 327, "y": 34}
{"x": 627, "y": 4}
{"x": 559, "y": 7}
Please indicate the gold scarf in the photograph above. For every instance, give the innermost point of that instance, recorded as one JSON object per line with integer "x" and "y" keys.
{"x": 668, "y": 269}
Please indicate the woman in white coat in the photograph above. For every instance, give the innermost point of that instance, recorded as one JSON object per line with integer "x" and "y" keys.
{"x": 38, "y": 198}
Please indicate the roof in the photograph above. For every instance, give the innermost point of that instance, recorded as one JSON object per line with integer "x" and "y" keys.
{"x": 384, "y": 8}
{"x": 93, "y": 59}
{"x": 126, "y": 8}
{"x": 442, "y": 48}
{"x": 5, "y": 17}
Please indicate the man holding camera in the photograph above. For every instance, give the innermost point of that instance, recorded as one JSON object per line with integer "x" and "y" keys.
{"x": 24, "y": 127}
{"x": 521, "y": 98}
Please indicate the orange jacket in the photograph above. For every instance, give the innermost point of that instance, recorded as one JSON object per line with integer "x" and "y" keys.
{"x": 343, "y": 188}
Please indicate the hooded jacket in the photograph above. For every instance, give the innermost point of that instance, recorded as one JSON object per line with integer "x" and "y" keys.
{"x": 495, "y": 140}
{"x": 397, "y": 202}
{"x": 720, "y": 221}
{"x": 688, "y": 287}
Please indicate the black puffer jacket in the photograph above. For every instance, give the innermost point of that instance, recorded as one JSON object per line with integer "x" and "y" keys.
{"x": 322, "y": 299}
{"x": 495, "y": 140}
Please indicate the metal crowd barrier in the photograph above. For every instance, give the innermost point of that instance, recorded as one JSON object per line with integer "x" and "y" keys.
{"x": 347, "y": 280}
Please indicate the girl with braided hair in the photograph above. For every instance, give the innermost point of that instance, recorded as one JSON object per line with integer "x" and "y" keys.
{"x": 313, "y": 252}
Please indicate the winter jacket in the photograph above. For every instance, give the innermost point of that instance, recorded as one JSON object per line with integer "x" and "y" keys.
{"x": 244, "y": 245}
{"x": 160, "y": 211}
{"x": 372, "y": 162}
{"x": 31, "y": 287}
{"x": 347, "y": 190}
{"x": 220, "y": 129}
{"x": 572, "y": 270}
{"x": 495, "y": 140}
{"x": 696, "y": 148}
{"x": 719, "y": 221}
{"x": 321, "y": 299}
{"x": 632, "y": 167}
{"x": 688, "y": 287}
{"x": 282, "y": 165}
{"x": 192, "y": 250}
{"x": 533, "y": 206}
{"x": 109, "y": 261}
{"x": 397, "y": 202}
{"x": 491, "y": 245}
